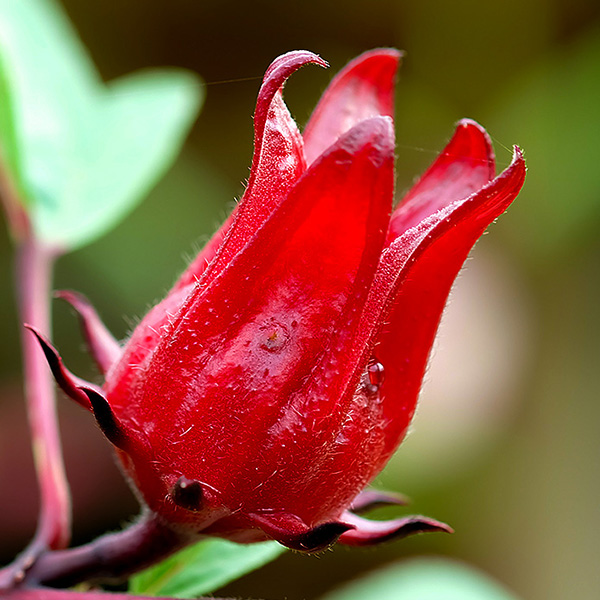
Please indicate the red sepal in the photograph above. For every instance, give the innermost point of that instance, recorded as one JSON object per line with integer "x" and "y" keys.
{"x": 277, "y": 163}
{"x": 146, "y": 336}
{"x": 411, "y": 287}
{"x": 292, "y": 532}
{"x": 242, "y": 352}
{"x": 398, "y": 326}
{"x": 369, "y": 533}
{"x": 70, "y": 384}
{"x": 362, "y": 90}
{"x": 464, "y": 166}
{"x": 103, "y": 347}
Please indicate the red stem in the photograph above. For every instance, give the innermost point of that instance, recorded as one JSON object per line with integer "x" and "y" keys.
{"x": 34, "y": 265}
{"x": 111, "y": 558}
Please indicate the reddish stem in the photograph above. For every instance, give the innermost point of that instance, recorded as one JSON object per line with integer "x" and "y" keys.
{"x": 111, "y": 558}
{"x": 34, "y": 264}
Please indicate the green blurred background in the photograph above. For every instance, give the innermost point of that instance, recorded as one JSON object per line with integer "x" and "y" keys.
{"x": 506, "y": 445}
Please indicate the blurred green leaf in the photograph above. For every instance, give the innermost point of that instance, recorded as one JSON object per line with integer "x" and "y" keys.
{"x": 423, "y": 579}
{"x": 52, "y": 80}
{"x": 553, "y": 112}
{"x": 10, "y": 154}
{"x": 89, "y": 151}
{"x": 115, "y": 273}
{"x": 203, "y": 568}
{"x": 135, "y": 133}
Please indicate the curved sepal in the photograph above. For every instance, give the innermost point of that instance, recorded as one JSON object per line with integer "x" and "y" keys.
{"x": 267, "y": 319}
{"x": 276, "y": 75}
{"x": 400, "y": 318}
{"x": 277, "y": 164}
{"x": 414, "y": 277}
{"x": 463, "y": 167}
{"x": 107, "y": 420}
{"x": 369, "y": 533}
{"x": 103, "y": 347}
{"x": 70, "y": 384}
{"x": 370, "y": 499}
{"x": 362, "y": 90}
{"x": 290, "y": 531}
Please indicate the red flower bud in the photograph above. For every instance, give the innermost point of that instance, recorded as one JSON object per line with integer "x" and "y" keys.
{"x": 282, "y": 371}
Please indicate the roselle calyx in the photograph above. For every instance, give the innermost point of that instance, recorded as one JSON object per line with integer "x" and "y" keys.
{"x": 280, "y": 373}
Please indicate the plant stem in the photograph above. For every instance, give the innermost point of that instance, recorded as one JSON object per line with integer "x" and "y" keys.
{"x": 34, "y": 265}
{"x": 110, "y": 558}
{"x": 45, "y": 561}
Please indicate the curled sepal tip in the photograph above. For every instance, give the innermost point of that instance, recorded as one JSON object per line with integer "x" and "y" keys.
{"x": 107, "y": 420}
{"x": 292, "y": 532}
{"x": 369, "y": 533}
{"x": 70, "y": 384}
{"x": 103, "y": 347}
{"x": 276, "y": 75}
{"x": 283, "y": 66}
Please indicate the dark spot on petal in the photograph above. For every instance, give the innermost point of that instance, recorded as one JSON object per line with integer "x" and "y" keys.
{"x": 187, "y": 493}
{"x": 319, "y": 537}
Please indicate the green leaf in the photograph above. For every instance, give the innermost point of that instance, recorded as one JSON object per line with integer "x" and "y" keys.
{"x": 51, "y": 78}
{"x": 10, "y": 153}
{"x": 135, "y": 133}
{"x": 203, "y": 568}
{"x": 89, "y": 151}
{"x": 424, "y": 579}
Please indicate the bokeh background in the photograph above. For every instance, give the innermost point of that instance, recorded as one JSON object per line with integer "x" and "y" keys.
{"x": 506, "y": 445}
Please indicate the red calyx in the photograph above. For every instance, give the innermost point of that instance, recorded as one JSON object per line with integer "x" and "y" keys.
{"x": 282, "y": 371}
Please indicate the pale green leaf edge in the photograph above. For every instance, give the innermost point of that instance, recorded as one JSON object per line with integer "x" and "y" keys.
{"x": 203, "y": 568}
{"x": 69, "y": 91}
{"x": 54, "y": 84}
{"x": 178, "y": 96}
{"x": 424, "y": 579}
{"x": 10, "y": 152}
